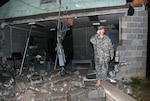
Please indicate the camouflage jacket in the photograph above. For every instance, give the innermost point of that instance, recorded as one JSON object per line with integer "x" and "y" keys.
{"x": 103, "y": 48}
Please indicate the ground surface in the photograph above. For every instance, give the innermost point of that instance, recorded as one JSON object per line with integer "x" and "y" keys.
{"x": 141, "y": 89}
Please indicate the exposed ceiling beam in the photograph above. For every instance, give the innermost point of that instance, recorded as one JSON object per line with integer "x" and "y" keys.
{"x": 72, "y": 15}
{"x": 82, "y": 13}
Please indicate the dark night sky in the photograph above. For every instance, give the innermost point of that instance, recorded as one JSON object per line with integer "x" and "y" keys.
{"x": 2, "y": 2}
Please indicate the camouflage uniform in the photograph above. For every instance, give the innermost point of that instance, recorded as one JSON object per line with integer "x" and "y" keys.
{"x": 103, "y": 50}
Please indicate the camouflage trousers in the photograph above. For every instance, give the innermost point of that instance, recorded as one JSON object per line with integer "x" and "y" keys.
{"x": 101, "y": 70}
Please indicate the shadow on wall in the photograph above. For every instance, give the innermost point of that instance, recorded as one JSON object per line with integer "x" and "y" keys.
{"x": 114, "y": 36}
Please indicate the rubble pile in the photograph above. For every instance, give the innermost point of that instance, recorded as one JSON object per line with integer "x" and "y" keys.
{"x": 51, "y": 86}
{"x": 45, "y": 86}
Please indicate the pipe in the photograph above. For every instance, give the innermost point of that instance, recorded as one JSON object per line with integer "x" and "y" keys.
{"x": 25, "y": 29}
{"x": 25, "y": 51}
{"x": 11, "y": 39}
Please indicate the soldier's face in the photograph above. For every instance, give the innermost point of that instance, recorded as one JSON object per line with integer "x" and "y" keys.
{"x": 101, "y": 32}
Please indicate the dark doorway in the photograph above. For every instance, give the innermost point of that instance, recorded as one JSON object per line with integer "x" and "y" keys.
{"x": 148, "y": 47}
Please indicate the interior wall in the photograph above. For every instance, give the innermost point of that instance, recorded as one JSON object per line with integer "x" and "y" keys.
{"x": 68, "y": 46}
{"x": 82, "y": 49}
{"x": 113, "y": 34}
{"x": 5, "y": 46}
{"x": 15, "y": 40}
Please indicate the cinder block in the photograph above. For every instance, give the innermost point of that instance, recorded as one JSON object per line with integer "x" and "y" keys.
{"x": 142, "y": 13}
{"x": 144, "y": 64}
{"x": 144, "y": 42}
{"x": 41, "y": 97}
{"x": 126, "y": 30}
{"x": 141, "y": 59}
{"x": 28, "y": 96}
{"x": 126, "y": 42}
{"x": 137, "y": 19}
{"x": 142, "y": 25}
{"x": 131, "y": 47}
{"x": 126, "y": 18}
{"x": 121, "y": 74}
{"x": 132, "y": 25}
{"x": 136, "y": 53}
{"x": 18, "y": 87}
{"x": 121, "y": 48}
{"x": 131, "y": 71}
{"x": 124, "y": 24}
{"x": 97, "y": 93}
{"x": 77, "y": 83}
{"x": 58, "y": 97}
{"x": 144, "y": 36}
{"x": 136, "y": 64}
{"x": 135, "y": 30}
{"x": 124, "y": 36}
{"x": 131, "y": 36}
{"x": 77, "y": 94}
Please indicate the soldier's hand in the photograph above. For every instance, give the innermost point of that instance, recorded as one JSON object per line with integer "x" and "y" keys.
{"x": 111, "y": 57}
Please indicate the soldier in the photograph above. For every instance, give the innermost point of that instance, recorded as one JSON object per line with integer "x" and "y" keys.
{"x": 103, "y": 53}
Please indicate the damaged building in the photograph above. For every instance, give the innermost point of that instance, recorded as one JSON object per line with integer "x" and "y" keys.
{"x": 32, "y": 32}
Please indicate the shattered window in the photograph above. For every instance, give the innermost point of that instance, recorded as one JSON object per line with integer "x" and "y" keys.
{"x": 47, "y": 1}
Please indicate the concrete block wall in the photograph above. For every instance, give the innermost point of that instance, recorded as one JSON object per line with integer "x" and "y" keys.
{"x": 133, "y": 46}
